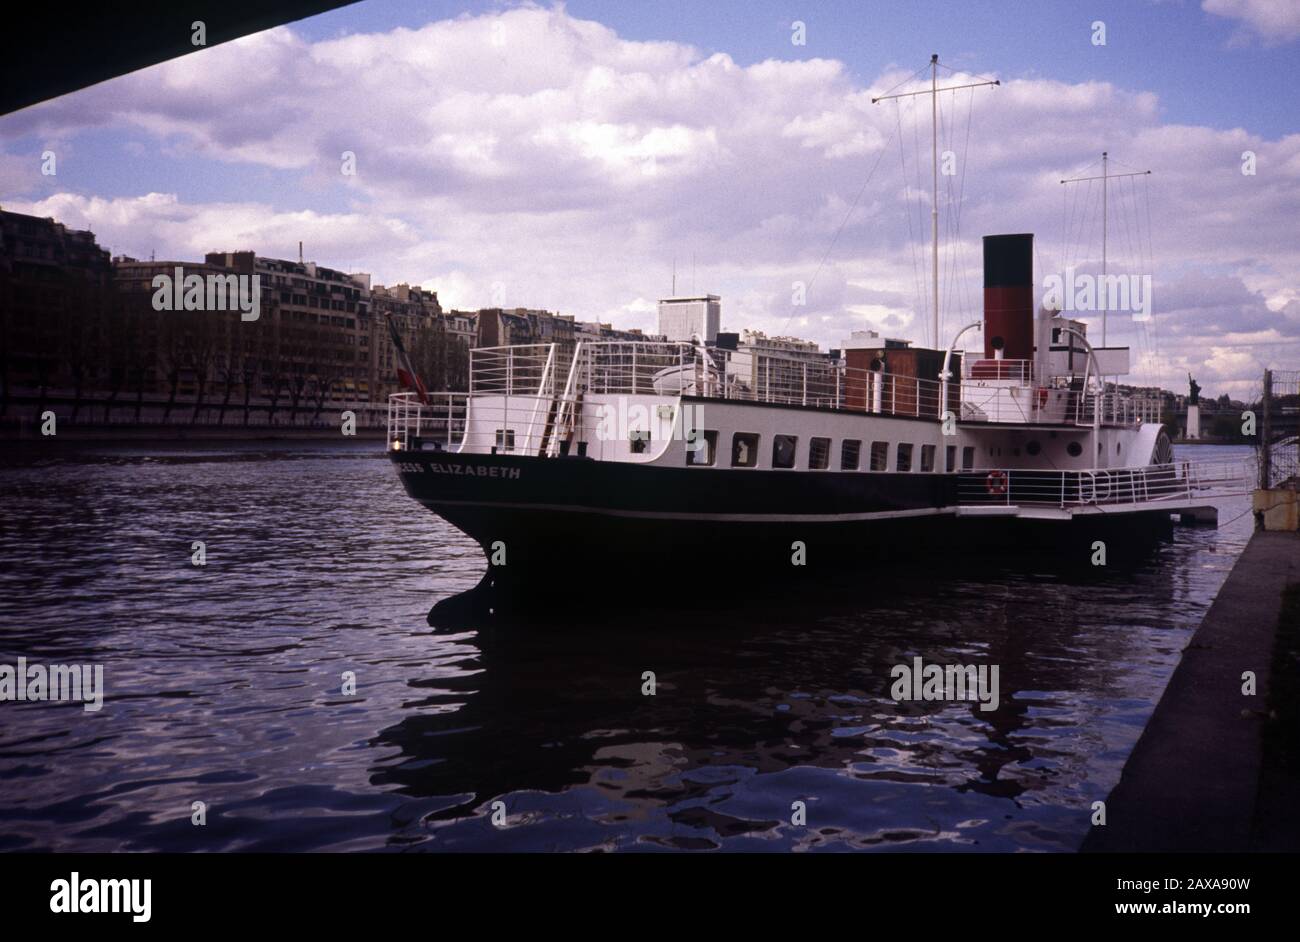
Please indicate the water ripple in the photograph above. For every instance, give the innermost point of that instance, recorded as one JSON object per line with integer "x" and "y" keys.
{"x": 225, "y": 683}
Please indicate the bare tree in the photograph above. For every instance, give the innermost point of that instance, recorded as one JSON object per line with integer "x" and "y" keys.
{"x": 428, "y": 352}
{"x": 143, "y": 332}
{"x": 257, "y": 342}
{"x": 201, "y": 345}
{"x": 116, "y": 354}
{"x": 79, "y": 322}
{"x": 171, "y": 356}
{"x": 230, "y": 367}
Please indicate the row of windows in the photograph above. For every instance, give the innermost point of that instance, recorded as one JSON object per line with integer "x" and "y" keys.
{"x": 288, "y": 297}
{"x": 703, "y": 451}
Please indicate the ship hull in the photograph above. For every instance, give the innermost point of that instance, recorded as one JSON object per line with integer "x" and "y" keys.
{"x": 648, "y": 529}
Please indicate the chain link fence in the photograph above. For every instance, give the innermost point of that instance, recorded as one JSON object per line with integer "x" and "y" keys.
{"x": 1280, "y": 435}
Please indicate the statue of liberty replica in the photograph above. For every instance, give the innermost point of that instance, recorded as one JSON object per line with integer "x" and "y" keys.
{"x": 1193, "y": 409}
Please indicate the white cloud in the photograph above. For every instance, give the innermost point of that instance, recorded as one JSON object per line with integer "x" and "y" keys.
{"x": 548, "y": 154}
{"x": 1271, "y": 21}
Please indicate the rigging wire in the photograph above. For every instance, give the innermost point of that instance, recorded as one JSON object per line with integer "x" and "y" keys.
{"x": 920, "y": 211}
{"x": 961, "y": 192}
{"x": 907, "y": 203}
{"x": 835, "y": 238}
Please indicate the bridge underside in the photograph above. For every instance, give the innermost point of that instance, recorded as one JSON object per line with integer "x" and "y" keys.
{"x": 55, "y": 52}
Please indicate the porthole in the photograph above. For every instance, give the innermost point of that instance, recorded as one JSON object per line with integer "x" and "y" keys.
{"x": 1032, "y": 447}
{"x": 1074, "y": 449}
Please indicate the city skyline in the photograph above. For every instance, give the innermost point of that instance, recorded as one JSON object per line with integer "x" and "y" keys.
{"x": 568, "y": 158}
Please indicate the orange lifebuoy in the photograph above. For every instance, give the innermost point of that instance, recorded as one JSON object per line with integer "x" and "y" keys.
{"x": 996, "y": 483}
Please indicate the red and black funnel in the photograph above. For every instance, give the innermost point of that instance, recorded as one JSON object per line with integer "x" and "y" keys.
{"x": 1009, "y": 296}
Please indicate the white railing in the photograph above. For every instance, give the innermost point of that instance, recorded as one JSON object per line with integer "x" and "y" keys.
{"x": 519, "y": 370}
{"x": 441, "y": 421}
{"x": 552, "y": 379}
{"x": 975, "y": 368}
{"x": 1049, "y": 403}
{"x": 662, "y": 368}
{"x": 1116, "y": 409}
{"x": 571, "y": 427}
{"x": 1106, "y": 486}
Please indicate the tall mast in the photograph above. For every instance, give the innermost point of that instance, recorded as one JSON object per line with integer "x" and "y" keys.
{"x": 1105, "y": 178}
{"x": 934, "y": 199}
{"x": 934, "y": 172}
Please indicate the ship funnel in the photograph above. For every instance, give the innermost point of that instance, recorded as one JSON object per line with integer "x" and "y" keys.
{"x": 1009, "y": 297}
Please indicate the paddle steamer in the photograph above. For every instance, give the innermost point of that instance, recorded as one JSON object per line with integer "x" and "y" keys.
{"x": 674, "y": 460}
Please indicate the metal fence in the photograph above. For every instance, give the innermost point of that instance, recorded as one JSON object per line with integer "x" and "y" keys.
{"x": 1106, "y": 486}
{"x": 1279, "y": 452}
{"x": 441, "y": 420}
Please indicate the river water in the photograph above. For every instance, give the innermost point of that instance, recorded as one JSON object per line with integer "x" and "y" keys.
{"x": 224, "y": 683}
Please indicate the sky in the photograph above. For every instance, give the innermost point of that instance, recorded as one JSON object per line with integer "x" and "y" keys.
{"x": 572, "y": 156}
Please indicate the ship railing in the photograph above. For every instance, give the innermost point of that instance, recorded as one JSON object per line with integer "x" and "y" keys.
{"x": 1055, "y": 405}
{"x": 631, "y": 367}
{"x": 755, "y": 375}
{"x": 802, "y": 383}
{"x": 977, "y": 369}
{"x": 1176, "y": 482}
{"x": 563, "y": 426}
{"x": 441, "y": 421}
{"x": 1116, "y": 408}
{"x": 664, "y": 368}
{"x": 525, "y": 370}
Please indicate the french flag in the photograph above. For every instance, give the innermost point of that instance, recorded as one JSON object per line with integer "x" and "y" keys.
{"x": 405, "y": 375}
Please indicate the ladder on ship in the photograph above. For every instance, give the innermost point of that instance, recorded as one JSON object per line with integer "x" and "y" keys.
{"x": 563, "y": 409}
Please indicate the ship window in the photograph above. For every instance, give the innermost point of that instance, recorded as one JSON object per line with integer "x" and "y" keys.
{"x": 850, "y": 454}
{"x": 505, "y": 439}
{"x": 819, "y": 453}
{"x": 783, "y": 450}
{"x": 904, "y": 462}
{"x": 1074, "y": 449}
{"x": 880, "y": 456}
{"x": 927, "y": 457}
{"x": 950, "y": 458}
{"x": 701, "y": 447}
{"x": 638, "y": 440}
{"x": 744, "y": 449}
{"x": 968, "y": 458}
{"x": 1032, "y": 447}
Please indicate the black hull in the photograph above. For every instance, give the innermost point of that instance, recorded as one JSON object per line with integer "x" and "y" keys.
{"x": 645, "y": 531}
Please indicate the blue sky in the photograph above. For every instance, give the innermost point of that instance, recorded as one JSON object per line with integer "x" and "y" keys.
{"x": 563, "y": 156}
{"x": 1185, "y": 55}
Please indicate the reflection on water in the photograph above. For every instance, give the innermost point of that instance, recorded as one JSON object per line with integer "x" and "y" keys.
{"x": 224, "y": 682}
